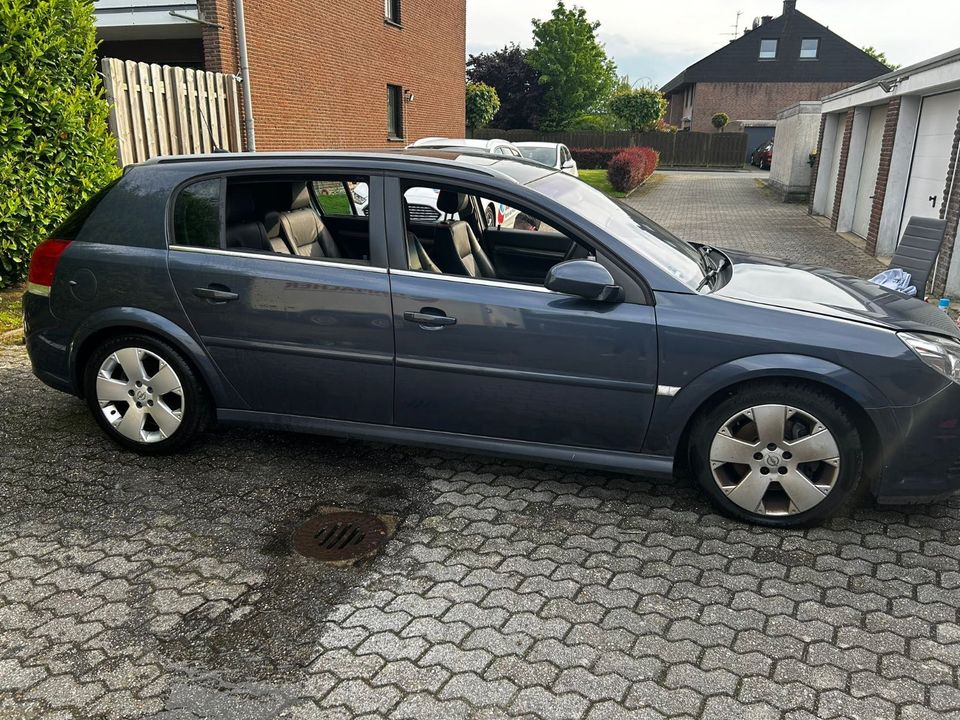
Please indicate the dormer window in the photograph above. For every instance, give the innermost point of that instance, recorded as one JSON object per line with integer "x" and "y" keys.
{"x": 768, "y": 49}
{"x": 810, "y": 48}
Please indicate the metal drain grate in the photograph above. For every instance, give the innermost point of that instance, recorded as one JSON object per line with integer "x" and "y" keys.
{"x": 341, "y": 536}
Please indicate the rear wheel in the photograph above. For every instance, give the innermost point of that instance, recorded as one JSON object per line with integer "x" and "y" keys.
{"x": 144, "y": 395}
{"x": 783, "y": 456}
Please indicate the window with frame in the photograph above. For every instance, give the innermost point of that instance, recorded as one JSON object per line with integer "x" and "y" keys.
{"x": 810, "y": 48}
{"x": 342, "y": 197}
{"x": 197, "y": 214}
{"x": 768, "y": 49}
{"x": 391, "y": 11}
{"x": 395, "y": 112}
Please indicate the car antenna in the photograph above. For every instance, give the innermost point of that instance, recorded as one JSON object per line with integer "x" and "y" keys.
{"x": 213, "y": 140}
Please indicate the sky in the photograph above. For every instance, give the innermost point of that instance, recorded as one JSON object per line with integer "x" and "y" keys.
{"x": 652, "y": 41}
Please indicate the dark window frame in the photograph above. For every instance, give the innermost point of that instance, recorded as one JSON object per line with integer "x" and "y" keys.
{"x": 221, "y": 212}
{"x": 395, "y": 129}
{"x": 816, "y": 56}
{"x": 776, "y": 49}
{"x": 391, "y": 12}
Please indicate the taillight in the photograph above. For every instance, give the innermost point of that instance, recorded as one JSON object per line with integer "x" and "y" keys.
{"x": 43, "y": 264}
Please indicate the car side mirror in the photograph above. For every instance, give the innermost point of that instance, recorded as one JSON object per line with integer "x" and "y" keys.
{"x": 568, "y": 164}
{"x": 584, "y": 278}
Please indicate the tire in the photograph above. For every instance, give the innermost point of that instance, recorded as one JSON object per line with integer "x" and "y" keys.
{"x": 165, "y": 418}
{"x": 735, "y": 464}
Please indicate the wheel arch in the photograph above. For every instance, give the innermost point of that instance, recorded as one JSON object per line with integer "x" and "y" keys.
{"x": 118, "y": 321}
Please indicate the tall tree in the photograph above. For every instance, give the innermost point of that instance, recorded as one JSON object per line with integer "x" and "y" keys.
{"x": 517, "y": 85}
{"x": 880, "y": 56}
{"x": 575, "y": 72}
{"x": 55, "y": 149}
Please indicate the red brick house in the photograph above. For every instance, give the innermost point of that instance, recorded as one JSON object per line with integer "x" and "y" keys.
{"x": 369, "y": 73}
{"x": 776, "y": 63}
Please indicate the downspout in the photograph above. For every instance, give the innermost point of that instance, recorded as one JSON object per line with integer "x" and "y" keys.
{"x": 245, "y": 77}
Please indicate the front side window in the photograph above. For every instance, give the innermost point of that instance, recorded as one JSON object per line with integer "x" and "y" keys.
{"x": 196, "y": 215}
{"x": 336, "y": 197}
{"x": 391, "y": 11}
{"x": 810, "y": 48}
{"x": 768, "y": 49}
{"x": 395, "y": 112}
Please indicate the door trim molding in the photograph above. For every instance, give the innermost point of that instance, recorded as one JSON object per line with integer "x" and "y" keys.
{"x": 298, "y": 349}
{"x": 658, "y": 466}
{"x": 278, "y": 258}
{"x": 476, "y": 281}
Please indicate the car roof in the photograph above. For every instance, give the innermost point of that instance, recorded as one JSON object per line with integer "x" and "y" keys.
{"x": 458, "y": 142}
{"x": 538, "y": 144}
{"x": 474, "y": 160}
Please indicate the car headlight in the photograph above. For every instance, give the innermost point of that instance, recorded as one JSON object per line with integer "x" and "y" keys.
{"x": 940, "y": 353}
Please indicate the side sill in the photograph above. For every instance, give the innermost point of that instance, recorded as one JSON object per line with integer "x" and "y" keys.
{"x": 610, "y": 460}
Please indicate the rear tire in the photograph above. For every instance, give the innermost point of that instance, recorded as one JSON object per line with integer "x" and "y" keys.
{"x": 780, "y": 455}
{"x": 144, "y": 395}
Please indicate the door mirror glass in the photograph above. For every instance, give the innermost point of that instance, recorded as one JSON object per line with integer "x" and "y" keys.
{"x": 584, "y": 278}
{"x": 568, "y": 164}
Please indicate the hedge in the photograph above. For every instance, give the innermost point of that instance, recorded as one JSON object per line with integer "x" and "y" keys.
{"x": 55, "y": 148}
{"x": 630, "y": 167}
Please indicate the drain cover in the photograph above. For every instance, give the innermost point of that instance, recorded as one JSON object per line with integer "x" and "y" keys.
{"x": 341, "y": 535}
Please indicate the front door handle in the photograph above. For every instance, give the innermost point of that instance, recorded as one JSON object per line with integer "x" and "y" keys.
{"x": 429, "y": 319}
{"x": 216, "y": 294}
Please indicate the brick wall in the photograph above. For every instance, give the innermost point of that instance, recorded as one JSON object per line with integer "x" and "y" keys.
{"x": 816, "y": 164}
{"x": 842, "y": 171}
{"x": 950, "y": 211}
{"x": 883, "y": 173}
{"x": 319, "y": 69}
{"x": 752, "y": 101}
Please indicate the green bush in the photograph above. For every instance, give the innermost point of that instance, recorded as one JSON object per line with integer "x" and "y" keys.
{"x": 482, "y": 104}
{"x": 639, "y": 109}
{"x": 55, "y": 148}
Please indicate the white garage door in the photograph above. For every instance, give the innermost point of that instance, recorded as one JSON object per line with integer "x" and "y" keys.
{"x": 868, "y": 171}
{"x": 834, "y": 168}
{"x": 931, "y": 156}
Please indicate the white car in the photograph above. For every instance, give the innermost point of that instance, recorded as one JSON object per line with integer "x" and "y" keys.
{"x": 555, "y": 155}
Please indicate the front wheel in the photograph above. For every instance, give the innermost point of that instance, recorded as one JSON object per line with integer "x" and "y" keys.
{"x": 144, "y": 395}
{"x": 783, "y": 456}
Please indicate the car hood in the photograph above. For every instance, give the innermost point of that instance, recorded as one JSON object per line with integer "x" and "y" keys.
{"x": 822, "y": 291}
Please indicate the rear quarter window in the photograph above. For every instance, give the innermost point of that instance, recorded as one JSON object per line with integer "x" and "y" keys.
{"x": 70, "y": 228}
{"x": 197, "y": 215}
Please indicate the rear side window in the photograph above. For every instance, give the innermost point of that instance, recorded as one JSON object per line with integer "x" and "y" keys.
{"x": 70, "y": 227}
{"x": 197, "y": 214}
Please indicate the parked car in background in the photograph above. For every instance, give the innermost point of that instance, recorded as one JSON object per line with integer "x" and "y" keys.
{"x": 762, "y": 157}
{"x": 555, "y": 155}
{"x": 249, "y": 289}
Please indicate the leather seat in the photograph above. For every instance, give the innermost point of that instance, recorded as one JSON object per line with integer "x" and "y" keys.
{"x": 458, "y": 250}
{"x": 302, "y": 228}
{"x": 417, "y": 257}
{"x": 243, "y": 230}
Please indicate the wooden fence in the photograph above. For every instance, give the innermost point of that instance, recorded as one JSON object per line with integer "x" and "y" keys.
{"x": 692, "y": 149}
{"x": 167, "y": 110}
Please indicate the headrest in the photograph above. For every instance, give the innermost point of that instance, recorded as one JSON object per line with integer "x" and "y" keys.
{"x": 451, "y": 202}
{"x": 240, "y": 204}
{"x": 271, "y": 223}
{"x": 301, "y": 196}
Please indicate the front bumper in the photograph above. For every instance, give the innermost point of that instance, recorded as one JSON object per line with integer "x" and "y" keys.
{"x": 922, "y": 459}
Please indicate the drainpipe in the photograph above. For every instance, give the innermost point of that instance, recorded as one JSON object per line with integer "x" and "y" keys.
{"x": 245, "y": 77}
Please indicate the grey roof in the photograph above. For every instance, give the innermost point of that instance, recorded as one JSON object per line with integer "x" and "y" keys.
{"x": 738, "y": 61}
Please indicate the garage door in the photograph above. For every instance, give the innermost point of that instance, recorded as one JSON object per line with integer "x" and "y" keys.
{"x": 869, "y": 170}
{"x": 931, "y": 156}
{"x": 834, "y": 167}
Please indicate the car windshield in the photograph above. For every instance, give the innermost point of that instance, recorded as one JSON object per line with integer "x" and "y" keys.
{"x": 542, "y": 155}
{"x": 677, "y": 258}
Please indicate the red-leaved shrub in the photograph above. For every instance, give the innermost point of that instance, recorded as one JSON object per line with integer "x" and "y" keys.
{"x": 594, "y": 158}
{"x": 631, "y": 167}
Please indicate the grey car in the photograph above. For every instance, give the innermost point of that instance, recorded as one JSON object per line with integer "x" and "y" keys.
{"x": 249, "y": 289}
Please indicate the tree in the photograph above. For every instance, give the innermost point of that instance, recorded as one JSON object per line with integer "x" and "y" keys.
{"x": 482, "y": 104}
{"x": 720, "y": 121}
{"x": 880, "y": 57}
{"x": 638, "y": 109}
{"x": 517, "y": 85}
{"x": 55, "y": 149}
{"x": 575, "y": 72}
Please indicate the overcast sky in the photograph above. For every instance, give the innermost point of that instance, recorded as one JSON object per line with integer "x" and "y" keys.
{"x": 656, "y": 39}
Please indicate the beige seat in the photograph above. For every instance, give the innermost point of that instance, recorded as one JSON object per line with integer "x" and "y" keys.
{"x": 302, "y": 229}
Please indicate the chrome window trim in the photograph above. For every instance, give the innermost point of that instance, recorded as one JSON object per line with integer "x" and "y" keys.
{"x": 476, "y": 281}
{"x": 277, "y": 258}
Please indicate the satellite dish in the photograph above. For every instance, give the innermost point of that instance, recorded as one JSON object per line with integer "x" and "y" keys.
{"x": 756, "y": 22}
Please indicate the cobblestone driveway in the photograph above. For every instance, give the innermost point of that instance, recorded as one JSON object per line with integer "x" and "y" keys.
{"x": 167, "y": 588}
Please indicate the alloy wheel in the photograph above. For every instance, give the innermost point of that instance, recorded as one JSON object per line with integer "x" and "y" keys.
{"x": 140, "y": 395}
{"x": 775, "y": 460}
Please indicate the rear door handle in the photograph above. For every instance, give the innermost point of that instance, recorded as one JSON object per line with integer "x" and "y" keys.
{"x": 216, "y": 295}
{"x": 429, "y": 319}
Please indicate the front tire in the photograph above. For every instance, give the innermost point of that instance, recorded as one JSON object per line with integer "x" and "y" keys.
{"x": 144, "y": 394}
{"x": 778, "y": 455}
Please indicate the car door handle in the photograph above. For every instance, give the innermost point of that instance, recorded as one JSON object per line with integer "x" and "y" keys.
{"x": 215, "y": 294}
{"x": 429, "y": 319}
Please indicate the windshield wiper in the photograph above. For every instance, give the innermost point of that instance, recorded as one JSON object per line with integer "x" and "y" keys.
{"x": 711, "y": 268}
